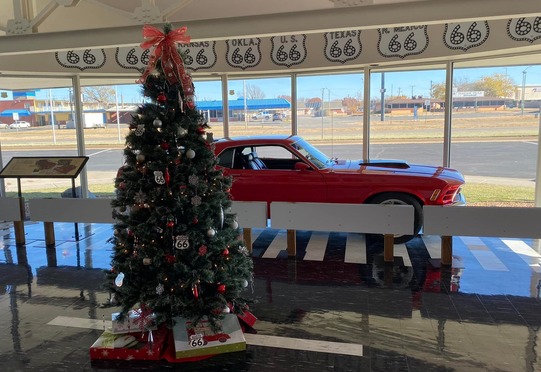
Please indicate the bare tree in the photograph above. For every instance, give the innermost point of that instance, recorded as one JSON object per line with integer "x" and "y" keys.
{"x": 254, "y": 92}
{"x": 102, "y": 95}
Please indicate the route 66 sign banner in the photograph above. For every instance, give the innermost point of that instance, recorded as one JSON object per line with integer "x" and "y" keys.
{"x": 243, "y": 53}
{"x": 465, "y": 35}
{"x": 132, "y": 58}
{"x": 288, "y": 50}
{"x": 342, "y": 46}
{"x": 402, "y": 41}
{"x": 81, "y": 59}
{"x": 199, "y": 55}
{"x": 526, "y": 28}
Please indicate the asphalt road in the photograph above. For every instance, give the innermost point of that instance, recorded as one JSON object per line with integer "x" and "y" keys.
{"x": 509, "y": 159}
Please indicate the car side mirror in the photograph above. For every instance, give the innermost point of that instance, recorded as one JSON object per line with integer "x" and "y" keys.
{"x": 301, "y": 166}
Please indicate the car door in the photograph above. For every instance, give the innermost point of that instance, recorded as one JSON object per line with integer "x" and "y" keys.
{"x": 279, "y": 180}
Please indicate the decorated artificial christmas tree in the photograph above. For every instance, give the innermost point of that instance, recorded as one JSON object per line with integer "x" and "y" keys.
{"x": 177, "y": 251}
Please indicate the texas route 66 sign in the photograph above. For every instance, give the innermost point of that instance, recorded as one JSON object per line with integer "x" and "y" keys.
{"x": 342, "y": 46}
{"x": 243, "y": 53}
{"x": 402, "y": 41}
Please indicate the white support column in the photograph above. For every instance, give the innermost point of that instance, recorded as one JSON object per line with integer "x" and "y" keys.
{"x": 294, "y": 122}
{"x": 225, "y": 105}
{"x": 538, "y": 166}
{"x": 79, "y": 131}
{"x": 366, "y": 115}
{"x": 448, "y": 115}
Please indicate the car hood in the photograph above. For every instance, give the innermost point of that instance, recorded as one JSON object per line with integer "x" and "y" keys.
{"x": 395, "y": 167}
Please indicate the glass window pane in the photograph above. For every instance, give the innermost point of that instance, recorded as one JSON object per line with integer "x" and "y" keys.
{"x": 259, "y": 106}
{"x": 494, "y": 136}
{"x": 329, "y": 109}
{"x": 411, "y": 125}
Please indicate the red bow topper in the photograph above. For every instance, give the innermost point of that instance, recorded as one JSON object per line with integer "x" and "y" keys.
{"x": 172, "y": 64}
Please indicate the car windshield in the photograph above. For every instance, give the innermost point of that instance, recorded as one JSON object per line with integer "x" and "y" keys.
{"x": 319, "y": 159}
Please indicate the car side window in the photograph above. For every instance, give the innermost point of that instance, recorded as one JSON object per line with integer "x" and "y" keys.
{"x": 276, "y": 157}
{"x": 225, "y": 159}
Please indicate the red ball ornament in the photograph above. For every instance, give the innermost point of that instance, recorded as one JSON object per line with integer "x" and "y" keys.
{"x": 122, "y": 186}
{"x": 164, "y": 145}
{"x": 225, "y": 252}
{"x": 195, "y": 221}
{"x": 221, "y": 288}
{"x": 200, "y": 130}
{"x": 161, "y": 98}
{"x": 203, "y": 250}
{"x": 170, "y": 224}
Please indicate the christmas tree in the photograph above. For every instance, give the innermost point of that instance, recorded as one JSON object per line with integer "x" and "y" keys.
{"x": 176, "y": 248}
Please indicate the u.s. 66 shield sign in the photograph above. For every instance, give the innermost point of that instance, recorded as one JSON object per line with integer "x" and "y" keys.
{"x": 243, "y": 53}
{"x": 402, "y": 41}
{"x": 288, "y": 50}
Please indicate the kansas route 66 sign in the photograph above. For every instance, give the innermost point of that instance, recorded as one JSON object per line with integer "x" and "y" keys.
{"x": 199, "y": 55}
{"x": 402, "y": 41}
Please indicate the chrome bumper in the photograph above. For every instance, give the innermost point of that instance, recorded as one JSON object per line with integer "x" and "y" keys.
{"x": 460, "y": 200}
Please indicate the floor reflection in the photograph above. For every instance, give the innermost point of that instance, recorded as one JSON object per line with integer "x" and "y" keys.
{"x": 472, "y": 316}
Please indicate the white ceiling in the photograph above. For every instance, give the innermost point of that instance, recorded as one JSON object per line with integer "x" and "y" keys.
{"x": 69, "y": 15}
{"x": 34, "y": 26}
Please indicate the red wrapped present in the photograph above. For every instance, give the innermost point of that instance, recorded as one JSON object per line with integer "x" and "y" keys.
{"x": 130, "y": 346}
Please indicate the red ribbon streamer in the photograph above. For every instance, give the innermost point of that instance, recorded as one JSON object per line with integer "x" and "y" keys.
{"x": 172, "y": 64}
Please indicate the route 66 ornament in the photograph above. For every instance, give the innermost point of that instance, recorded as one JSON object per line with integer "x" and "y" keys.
{"x": 159, "y": 178}
{"x": 140, "y": 130}
{"x": 182, "y": 242}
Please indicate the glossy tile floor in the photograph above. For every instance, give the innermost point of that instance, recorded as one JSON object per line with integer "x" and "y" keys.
{"x": 336, "y": 307}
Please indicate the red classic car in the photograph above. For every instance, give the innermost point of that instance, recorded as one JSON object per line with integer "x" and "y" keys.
{"x": 288, "y": 168}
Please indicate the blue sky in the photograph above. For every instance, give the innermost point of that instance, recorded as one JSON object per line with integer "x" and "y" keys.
{"x": 335, "y": 86}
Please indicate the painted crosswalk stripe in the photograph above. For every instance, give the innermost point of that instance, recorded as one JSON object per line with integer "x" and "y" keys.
{"x": 279, "y": 243}
{"x": 356, "y": 249}
{"x": 400, "y": 250}
{"x": 317, "y": 245}
{"x": 433, "y": 245}
{"x": 485, "y": 257}
{"x": 329, "y": 347}
{"x": 525, "y": 252}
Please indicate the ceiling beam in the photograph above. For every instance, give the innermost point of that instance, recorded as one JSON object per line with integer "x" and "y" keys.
{"x": 364, "y": 17}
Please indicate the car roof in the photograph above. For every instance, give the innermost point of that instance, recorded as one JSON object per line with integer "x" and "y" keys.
{"x": 255, "y": 140}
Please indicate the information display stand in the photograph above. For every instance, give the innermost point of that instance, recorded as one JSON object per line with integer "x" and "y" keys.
{"x": 43, "y": 167}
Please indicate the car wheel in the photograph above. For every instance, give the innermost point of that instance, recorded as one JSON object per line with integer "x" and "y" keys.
{"x": 392, "y": 198}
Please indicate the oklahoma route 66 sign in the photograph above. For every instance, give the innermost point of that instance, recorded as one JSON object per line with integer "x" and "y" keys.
{"x": 402, "y": 41}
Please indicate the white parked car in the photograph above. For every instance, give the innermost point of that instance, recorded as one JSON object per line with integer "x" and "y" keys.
{"x": 3, "y": 125}
{"x": 19, "y": 124}
{"x": 264, "y": 115}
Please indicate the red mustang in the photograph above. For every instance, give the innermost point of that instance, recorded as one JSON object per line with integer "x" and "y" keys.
{"x": 287, "y": 168}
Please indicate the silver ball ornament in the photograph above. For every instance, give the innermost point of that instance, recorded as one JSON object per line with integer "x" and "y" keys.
{"x": 157, "y": 123}
{"x": 190, "y": 154}
{"x": 211, "y": 233}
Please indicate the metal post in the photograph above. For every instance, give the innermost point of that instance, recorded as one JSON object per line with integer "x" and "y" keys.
{"x": 294, "y": 123}
{"x": 225, "y": 105}
{"x": 79, "y": 131}
{"x": 447, "y": 116}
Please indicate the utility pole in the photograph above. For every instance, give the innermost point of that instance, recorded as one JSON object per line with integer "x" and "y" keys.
{"x": 523, "y": 90}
